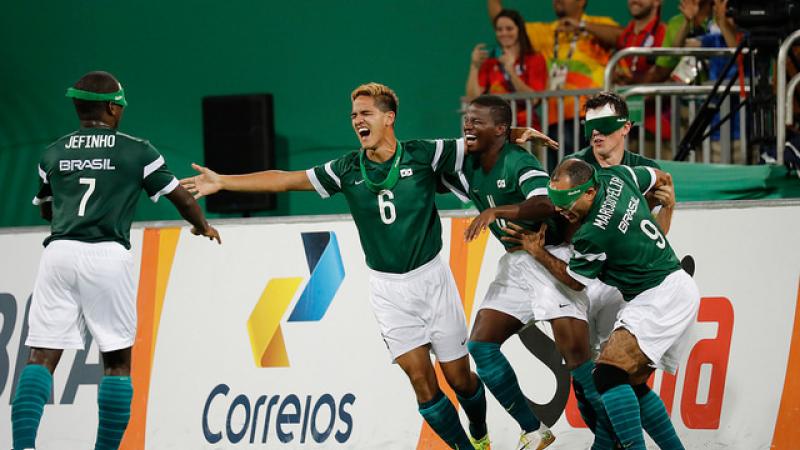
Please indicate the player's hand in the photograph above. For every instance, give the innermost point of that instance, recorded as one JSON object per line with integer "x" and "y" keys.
{"x": 665, "y": 194}
{"x": 209, "y": 232}
{"x": 689, "y": 9}
{"x": 207, "y": 183}
{"x": 521, "y": 135}
{"x": 479, "y": 224}
{"x": 530, "y": 241}
{"x": 479, "y": 55}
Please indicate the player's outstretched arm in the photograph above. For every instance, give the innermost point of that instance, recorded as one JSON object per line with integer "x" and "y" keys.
{"x": 209, "y": 182}
{"x": 536, "y": 208}
{"x": 521, "y": 135}
{"x": 533, "y": 243}
{"x": 189, "y": 209}
{"x": 494, "y": 7}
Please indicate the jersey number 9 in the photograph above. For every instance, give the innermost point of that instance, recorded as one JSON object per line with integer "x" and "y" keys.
{"x": 652, "y": 232}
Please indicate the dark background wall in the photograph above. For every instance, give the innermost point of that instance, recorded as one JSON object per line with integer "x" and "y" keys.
{"x": 169, "y": 54}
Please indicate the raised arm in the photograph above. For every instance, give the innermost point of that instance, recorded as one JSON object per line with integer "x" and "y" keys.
{"x": 536, "y": 208}
{"x": 209, "y": 182}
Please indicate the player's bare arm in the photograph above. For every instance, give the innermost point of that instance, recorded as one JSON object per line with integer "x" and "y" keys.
{"x": 536, "y": 208}
{"x": 189, "y": 209}
{"x": 521, "y": 135}
{"x": 209, "y": 182}
{"x": 533, "y": 243}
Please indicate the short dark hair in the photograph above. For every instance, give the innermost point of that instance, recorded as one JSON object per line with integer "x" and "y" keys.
{"x": 603, "y": 98}
{"x": 499, "y": 109}
{"x": 576, "y": 170}
{"x": 96, "y": 81}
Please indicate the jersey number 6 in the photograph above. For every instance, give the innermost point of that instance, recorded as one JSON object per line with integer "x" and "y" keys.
{"x": 386, "y": 207}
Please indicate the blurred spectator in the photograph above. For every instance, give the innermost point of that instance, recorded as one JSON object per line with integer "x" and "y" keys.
{"x": 577, "y": 47}
{"x": 644, "y": 30}
{"x": 694, "y": 20}
{"x": 511, "y": 66}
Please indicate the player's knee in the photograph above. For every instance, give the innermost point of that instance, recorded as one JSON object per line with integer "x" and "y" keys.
{"x": 607, "y": 377}
{"x": 482, "y": 352}
{"x": 117, "y": 362}
{"x": 575, "y": 353}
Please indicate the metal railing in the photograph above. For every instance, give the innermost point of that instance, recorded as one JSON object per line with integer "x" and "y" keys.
{"x": 781, "y": 119}
{"x": 790, "y": 100}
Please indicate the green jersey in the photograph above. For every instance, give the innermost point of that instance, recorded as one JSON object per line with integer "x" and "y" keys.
{"x": 618, "y": 241}
{"x": 516, "y": 176}
{"x": 399, "y": 228}
{"x": 629, "y": 159}
{"x": 94, "y": 177}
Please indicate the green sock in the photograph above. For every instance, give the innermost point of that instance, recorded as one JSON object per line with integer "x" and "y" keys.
{"x": 622, "y": 407}
{"x": 582, "y": 376}
{"x": 33, "y": 391}
{"x": 475, "y": 408}
{"x": 498, "y": 375}
{"x": 114, "y": 408}
{"x": 443, "y": 419}
{"x": 656, "y": 423}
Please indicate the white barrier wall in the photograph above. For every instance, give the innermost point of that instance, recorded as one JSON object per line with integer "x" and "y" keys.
{"x": 269, "y": 342}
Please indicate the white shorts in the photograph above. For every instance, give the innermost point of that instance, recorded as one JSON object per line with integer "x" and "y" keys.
{"x": 420, "y": 307}
{"x": 82, "y": 285}
{"x": 524, "y": 289}
{"x": 605, "y": 302}
{"x": 661, "y": 319}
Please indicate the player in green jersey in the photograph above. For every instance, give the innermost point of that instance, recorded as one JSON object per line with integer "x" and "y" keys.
{"x": 390, "y": 186}
{"x": 619, "y": 243}
{"x": 90, "y": 181}
{"x": 607, "y": 149}
{"x": 505, "y": 182}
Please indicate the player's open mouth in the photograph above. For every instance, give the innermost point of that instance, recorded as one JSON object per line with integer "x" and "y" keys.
{"x": 470, "y": 138}
{"x": 363, "y": 132}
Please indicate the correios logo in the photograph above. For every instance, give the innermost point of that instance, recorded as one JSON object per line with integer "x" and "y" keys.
{"x": 264, "y": 325}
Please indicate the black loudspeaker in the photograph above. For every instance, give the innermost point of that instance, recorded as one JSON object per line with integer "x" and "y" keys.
{"x": 239, "y": 137}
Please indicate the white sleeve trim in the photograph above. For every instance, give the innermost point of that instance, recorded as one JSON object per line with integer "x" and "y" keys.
{"x": 153, "y": 166}
{"x": 652, "y": 179}
{"x": 579, "y": 278}
{"x": 43, "y": 175}
{"x": 312, "y": 177}
{"x": 38, "y": 201}
{"x": 438, "y": 154}
{"x": 464, "y": 181}
{"x": 535, "y": 192}
{"x": 459, "y": 154}
{"x": 329, "y": 171}
{"x": 530, "y": 174}
{"x": 635, "y": 178}
{"x": 590, "y": 256}
{"x": 461, "y": 196}
{"x": 165, "y": 190}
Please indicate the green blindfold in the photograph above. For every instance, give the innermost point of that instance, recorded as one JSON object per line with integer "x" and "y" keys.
{"x": 566, "y": 198}
{"x": 604, "y": 125}
{"x": 113, "y": 97}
